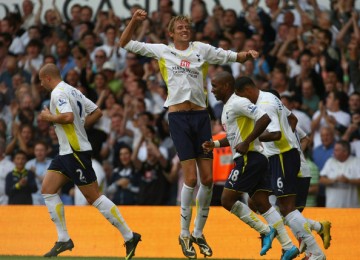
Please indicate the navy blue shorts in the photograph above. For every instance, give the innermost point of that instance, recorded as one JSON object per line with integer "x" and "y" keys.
{"x": 76, "y": 166}
{"x": 284, "y": 169}
{"x": 189, "y": 130}
{"x": 251, "y": 174}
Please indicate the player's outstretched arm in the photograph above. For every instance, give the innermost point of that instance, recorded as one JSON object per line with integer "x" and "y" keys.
{"x": 139, "y": 16}
{"x": 243, "y": 56}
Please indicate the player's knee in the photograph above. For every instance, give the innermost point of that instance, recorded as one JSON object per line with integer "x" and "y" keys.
{"x": 207, "y": 181}
{"x": 46, "y": 190}
{"x": 190, "y": 181}
{"x": 227, "y": 202}
{"x": 286, "y": 209}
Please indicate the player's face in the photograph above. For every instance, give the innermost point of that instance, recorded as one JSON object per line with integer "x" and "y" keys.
{"x": 217, "y": 89}
{"x": 182, "y": 32}
{"x": 44, "y": 81}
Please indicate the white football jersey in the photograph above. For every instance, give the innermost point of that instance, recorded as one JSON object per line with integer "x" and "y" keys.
{"x": 278, "y": 114}
{"x": 304, "y": 167}
{"x": 238, "y": 118}
{"x": 184, "y": 71}
{"x": 72, "y": 137}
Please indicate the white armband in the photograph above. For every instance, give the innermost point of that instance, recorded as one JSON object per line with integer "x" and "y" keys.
{"x": 216, "y": 144}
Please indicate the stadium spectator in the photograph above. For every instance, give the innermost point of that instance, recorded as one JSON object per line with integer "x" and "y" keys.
{"x": 329, "y": 114}
{"x": 38, "y": 166}
{"x": 341, "y": 177}
{"x": 22, "y": 140}
{"x": 65, "y": 61}
{"x": 321, "y": 154}
{"x": 20, "y": 182}
{"x": 123, "y": 188}
{"x": 6, "y": 166}
{"x": 154, "y": 188}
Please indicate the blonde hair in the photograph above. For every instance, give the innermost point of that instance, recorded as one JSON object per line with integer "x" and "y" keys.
{"x": 177, "y": 19}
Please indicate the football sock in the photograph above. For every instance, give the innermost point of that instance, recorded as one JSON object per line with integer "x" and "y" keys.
{"x": 274, "y": 219}
{"x": 244, "y": 213}
{"x": 314, "y": 225}
{"x": 186, "y": 210}
{"x": 301, "y": 230}
{"x": 203, "y": 200}
{"x": 113, "y": 215}
{"x": 56, "y": 210}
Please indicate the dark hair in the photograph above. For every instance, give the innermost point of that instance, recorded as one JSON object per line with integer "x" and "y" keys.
{"x": 21, "y": 152}
{"x": 242, "y": 82}
{"x": 276, "y": 93}
{"x": 345, "y": 145}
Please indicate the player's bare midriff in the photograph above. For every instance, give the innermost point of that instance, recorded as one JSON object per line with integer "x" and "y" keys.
{"x": 185, "y": 106}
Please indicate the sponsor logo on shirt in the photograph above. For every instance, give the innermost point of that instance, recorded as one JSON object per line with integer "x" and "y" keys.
{"x": 185, "y": 63}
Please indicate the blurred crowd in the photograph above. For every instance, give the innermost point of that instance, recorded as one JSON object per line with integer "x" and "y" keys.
{"x": 309, "y": 54}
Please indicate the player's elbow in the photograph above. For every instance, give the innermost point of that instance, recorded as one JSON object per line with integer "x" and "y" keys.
{"x": 276, "y": 136}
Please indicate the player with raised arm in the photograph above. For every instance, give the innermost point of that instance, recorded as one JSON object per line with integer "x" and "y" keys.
{"x": 70, "y": 112}
{"x": 183, "y": 65}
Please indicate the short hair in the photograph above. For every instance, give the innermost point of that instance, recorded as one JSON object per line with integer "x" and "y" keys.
{"x": 276, "y": 94}
{"x": 345, "y": 145}
{"x": 20, "y": 152}
{"x": 42, "y": 142}
{"x": 243, "y": 82}
{"x": 177, "y": 19}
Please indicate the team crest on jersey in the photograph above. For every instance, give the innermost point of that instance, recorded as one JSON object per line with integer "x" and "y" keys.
{"x": 61, "y": 102}
{"x": 185, "y": 63}
{"x": 251, "y": 108}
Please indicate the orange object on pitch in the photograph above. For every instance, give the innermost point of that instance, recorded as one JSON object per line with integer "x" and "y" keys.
{"x": 223, "y": 161}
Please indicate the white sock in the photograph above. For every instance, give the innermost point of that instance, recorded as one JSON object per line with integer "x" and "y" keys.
{"x": 274, "y": 219}
{"x": 314, "y": 225}
{"x": 56, "y": 210}
{"x": 301, "y": 230}
{"x": 186, "y": 210}
{"x": 244, "y": 213}
{"x": 203, "y": 200}
{"x": 113, "y": 215}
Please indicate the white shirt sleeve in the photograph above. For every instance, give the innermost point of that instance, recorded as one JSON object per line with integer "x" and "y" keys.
{"x": 301, "y": 133}
{"x": 89, "y": 106}
{"x": 217, "y": 55}
{"x": 145, "y": 49}
{"x": 244, "y": 107}
{"x": 271, "y": 110}
{"x": 287, "y": 111}
{"x": 326, "y": 171}
{"x": 62, "y": 102}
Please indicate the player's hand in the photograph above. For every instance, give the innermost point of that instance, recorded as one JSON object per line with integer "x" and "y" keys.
{"x": 208, "y": 146}
{"x": 44, "y": 114}
{"x": 252, "y": 54}
{"x": 139, "y": 15}
{"x": 242, "y": 147}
